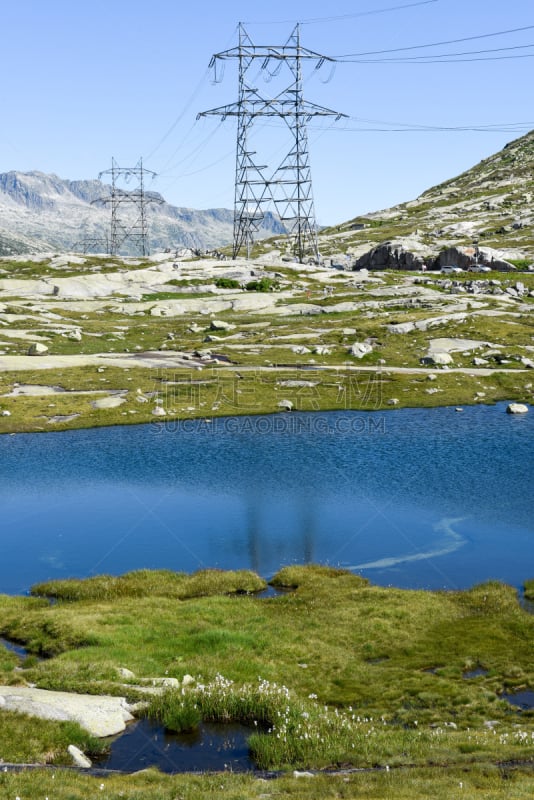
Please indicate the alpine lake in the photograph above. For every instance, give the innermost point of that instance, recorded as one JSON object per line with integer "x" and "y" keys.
{"x": 385, "y": 503}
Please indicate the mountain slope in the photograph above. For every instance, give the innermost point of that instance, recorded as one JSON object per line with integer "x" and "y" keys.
{"x": 491, "y": 204}
{"x": 40, "y": 213}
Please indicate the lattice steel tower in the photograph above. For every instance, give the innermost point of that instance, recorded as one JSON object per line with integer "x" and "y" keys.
{"x": 290, "y": 185}
{"x": 124, "y": 226}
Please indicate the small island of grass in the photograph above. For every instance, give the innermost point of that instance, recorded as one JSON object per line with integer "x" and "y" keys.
{"x": 330, "y": 673}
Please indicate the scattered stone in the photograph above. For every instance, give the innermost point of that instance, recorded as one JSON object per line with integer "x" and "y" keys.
{"x": 298, "y": 774}
{"x": 321, "y": 350}
{"x": 437, "y": 359}
{"x": 188, "y": 680}
{"x": 37, "y": 349}
{"x": 5, "y": 413}
{"x": 516, "y": 408}
{"x": 221, "y": 325}
{"x": 290, "y": 384}
{"x": 300, "y": 350}
{"x": 158, "y": 411}
{"x": 394, "y": 401}
{"x": 168, "y": 683}
{"x": 126, "y": 673}
{"x": 401, "y": 327}
{"x": 479, "y": 362}
{"x": 79, "y": 758}
{"x": 360, "y": 349}
{"x": 75, "y": 336}
{"x": 108, "y": 402}
{"x": 285, "y": 405}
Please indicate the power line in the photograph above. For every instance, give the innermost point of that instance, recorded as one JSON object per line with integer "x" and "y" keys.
{"x": 434, "y": 60}
{"x": 451, "y": 55}
{"x": 434, "y": 44}
{"x": 373, "y": 12}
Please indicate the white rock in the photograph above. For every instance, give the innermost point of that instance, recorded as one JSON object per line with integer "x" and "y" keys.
{"x": 126, "y": 673}
{"x": 99, "y": 715}
{"x": 5, "y": 413}
{"x": 158, "y": 411}
{"x": 75, "y": 336}
{"x": 108, "y": 402}
{"x": 37, "y": 349}
{"x": 187, "y": 680}
{"x": 169, "y": 683}
{"x": 437, "y": 359}
{"x": 516, "y": 408}
{"x": 79, "y": 758}
{"x": 297, "y": 774}
{"x": 401, "y": 327}
{"x": 360, "y": 349}
{"x": 221, "y": 325}
{"x": 286, "y": 405}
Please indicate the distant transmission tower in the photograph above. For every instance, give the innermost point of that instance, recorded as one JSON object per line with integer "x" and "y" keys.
{"x": 128, "y": 226}
{"x": 290, "y": 186}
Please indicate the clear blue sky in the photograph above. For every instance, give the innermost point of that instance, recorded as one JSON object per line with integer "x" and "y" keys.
{"x": 84, "y": 81}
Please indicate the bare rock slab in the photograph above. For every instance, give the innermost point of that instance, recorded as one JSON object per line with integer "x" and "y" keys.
{"x": 99, "y": 715}
{"x": 517, "y": 408}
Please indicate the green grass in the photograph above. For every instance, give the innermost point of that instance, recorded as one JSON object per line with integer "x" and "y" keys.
{"x": 154, "y": 583}
{"x": 474, "y": 783}
{"x": 335, "y": 662}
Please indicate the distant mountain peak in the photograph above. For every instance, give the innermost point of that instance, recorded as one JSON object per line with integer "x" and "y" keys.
{"x": 42, "y": 212}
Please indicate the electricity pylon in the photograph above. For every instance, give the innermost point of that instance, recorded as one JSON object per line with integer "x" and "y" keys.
{"x": 124, "y": 226}
{"x": 290, "y": 185}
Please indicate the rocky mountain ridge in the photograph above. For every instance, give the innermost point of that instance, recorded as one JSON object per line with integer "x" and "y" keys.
{"x": 45, "y": 213}
{"x": 485, "y": 213}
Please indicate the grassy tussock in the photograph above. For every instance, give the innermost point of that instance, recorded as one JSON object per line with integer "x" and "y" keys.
{"x": 529, "y": 590}
{"x": 153, "y": 583}
{"x": 296, "y": 732}
{"x": 342, "y": 662}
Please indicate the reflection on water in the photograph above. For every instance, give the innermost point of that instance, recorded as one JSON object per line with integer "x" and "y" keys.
{"x": 212, "y": 747}
{"x": 411, "y": 497}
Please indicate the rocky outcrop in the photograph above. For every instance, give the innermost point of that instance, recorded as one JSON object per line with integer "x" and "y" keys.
{"x": 406, "y": 254}
{"x": 100, "y": 716}
{"x": 467, "y": 257}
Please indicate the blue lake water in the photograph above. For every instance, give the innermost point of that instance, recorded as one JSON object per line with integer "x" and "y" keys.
{"x": 412, "y": 497}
